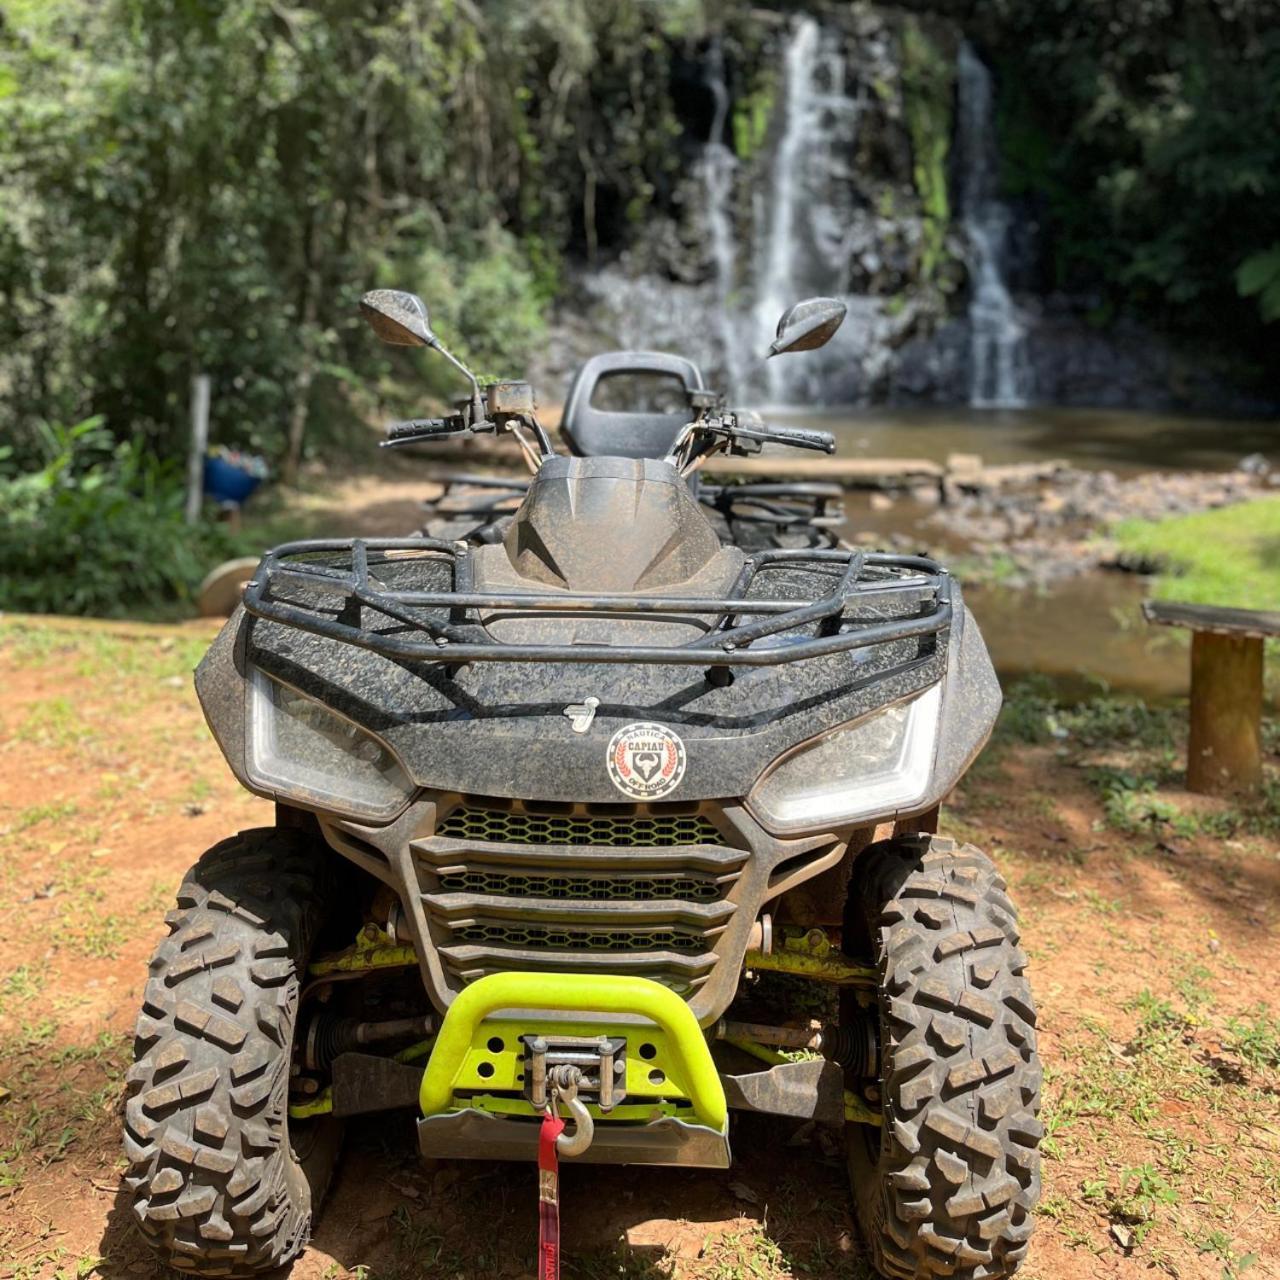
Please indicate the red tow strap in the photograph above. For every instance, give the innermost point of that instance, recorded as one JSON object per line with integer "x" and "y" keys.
{"x": 549, "y": 1198}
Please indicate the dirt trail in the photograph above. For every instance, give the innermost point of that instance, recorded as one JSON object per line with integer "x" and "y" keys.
{"x": 1154, "y": 960}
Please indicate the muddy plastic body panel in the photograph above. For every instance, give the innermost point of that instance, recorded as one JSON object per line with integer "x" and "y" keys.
{"x": 501, "y": 729}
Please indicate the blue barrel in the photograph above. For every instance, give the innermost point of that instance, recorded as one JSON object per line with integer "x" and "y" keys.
{"x": 225, "y": 482}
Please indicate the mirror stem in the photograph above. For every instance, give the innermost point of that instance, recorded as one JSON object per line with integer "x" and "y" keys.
{"x": 477, "y": 403}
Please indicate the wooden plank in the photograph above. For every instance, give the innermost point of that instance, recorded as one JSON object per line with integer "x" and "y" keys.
{"x": 854, "y": 473}
{"x": 1224, "y": 747}
{"x": 1212, "y": 619}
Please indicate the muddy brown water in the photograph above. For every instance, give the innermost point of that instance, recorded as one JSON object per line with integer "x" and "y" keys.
{"x": 1082, "y": 630}
{"x": 1117, "y": 440}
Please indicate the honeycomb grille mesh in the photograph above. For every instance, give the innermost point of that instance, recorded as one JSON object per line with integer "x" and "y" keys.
{"x": 566, "y": 938}
{"x": 503, "y": 826}
{"x": 608, "y": 887}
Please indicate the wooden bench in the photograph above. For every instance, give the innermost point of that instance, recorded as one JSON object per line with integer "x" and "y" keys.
{"x": 1224, "y": 746}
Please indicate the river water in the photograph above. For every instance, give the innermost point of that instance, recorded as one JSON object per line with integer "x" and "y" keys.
{"x": 1112, "y": 439}
{"x": 1083, "y": 630}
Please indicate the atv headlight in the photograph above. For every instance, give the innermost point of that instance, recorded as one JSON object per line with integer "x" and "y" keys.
{"x": 873, "y": 768}
{"x": 305, "y": 752}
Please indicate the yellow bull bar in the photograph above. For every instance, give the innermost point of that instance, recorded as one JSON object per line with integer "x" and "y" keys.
{"x": 610, "y": 994}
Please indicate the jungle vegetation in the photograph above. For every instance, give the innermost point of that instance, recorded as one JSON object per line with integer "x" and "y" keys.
{"x": 208, "y": 185}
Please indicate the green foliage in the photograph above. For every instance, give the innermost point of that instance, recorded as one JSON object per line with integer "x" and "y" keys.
{"x": 1259, "y": 277}
{"x": 1256, "y": 1039}
{"x": 1150, "y": 132}
{"x": 1034, "y": 713}
{"x": 97, "y": 529}
{"x": 751, "y": 117}
{"x": 194, "y": 186}
{"x": 927, "y": 86}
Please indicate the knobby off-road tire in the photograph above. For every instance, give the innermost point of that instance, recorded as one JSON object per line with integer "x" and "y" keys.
{"x": 220, "y": 1186}
{"x": 947, "y": 1186}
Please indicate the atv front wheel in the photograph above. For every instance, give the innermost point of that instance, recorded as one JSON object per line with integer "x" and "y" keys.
{"x": 222, "y": 1184}
{"x": 947, "y": 1186}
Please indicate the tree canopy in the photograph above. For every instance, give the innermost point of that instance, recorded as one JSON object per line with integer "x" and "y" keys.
{"x": 207, "y": 185}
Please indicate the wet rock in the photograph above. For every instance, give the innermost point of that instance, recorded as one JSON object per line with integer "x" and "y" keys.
{"x": 1054, "y": 527}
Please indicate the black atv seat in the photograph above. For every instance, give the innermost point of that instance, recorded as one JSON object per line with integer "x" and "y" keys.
{"x": 592, "y": 432}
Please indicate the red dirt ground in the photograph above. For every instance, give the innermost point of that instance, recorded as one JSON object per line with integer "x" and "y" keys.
{"x": 1154, "y": 962}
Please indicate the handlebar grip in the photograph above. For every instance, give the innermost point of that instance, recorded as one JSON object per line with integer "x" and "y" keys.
{"x": 416, "y": 427}
{"x": 803, "y": 438}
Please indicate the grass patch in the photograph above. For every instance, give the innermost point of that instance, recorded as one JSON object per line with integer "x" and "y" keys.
{"x": 22, "y": 984}
{"x": 1229, "y": 557}
{"x": 53, "y": 722}
{"x": 1034, "y": 713}
{"x": 56, "y": 811}
{"x": 1164, "y": 1086}
{"x": 53, "y": 1107}
{"x": 1256, "y": 1038}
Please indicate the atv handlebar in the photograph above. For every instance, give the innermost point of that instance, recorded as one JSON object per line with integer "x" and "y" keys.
{"x": 741, "y": 433}
{"x": 418, "y": 428}
{"x": 796, "y": 437}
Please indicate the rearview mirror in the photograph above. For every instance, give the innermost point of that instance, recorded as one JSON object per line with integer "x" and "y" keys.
{"x": 808, "y": 325}
{"x": 398, "y": 318}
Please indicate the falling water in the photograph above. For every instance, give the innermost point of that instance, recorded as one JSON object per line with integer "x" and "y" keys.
{"x": 1000, "y": 373}
{"x": 719, "y": 169}
{"x": 807, "y": 222}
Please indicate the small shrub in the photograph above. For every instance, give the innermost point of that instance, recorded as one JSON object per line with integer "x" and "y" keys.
{"x": 1256, "y": 1039}
{"x": 1035, "y": 712}
{"x": 98, "y": 529}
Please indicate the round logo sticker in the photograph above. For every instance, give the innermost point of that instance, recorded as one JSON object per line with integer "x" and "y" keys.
{"x": 646, "y": 761}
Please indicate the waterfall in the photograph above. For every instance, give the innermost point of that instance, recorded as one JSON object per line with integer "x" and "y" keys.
{"x": 719, "y": 169}
{"x": 809, "y": 191}
{"x": 1000, "y": 373}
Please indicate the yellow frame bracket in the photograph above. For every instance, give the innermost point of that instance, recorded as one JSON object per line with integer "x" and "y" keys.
{"x": 612, "y": 994}
{"x": 809, "y": 953}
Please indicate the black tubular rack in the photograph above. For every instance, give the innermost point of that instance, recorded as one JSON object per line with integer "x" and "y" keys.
{"x": 451, "y": 636}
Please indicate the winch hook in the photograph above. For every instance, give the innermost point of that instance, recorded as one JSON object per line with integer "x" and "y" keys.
{"x": 562, "y": 1086}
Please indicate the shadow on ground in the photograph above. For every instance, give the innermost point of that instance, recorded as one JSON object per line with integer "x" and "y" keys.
{"x": 391, "y": 1216}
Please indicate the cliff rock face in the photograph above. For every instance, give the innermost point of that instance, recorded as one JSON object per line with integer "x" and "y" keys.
{"x": 817, "y": 162}
{"x": 851, "y": 151}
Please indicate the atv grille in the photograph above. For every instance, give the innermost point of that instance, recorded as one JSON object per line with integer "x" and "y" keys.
{"x": 646, "y": 891}
{"x": 541, "y": 936}
{"x": 517, "y": 826}
{"x": 601, "y": 888}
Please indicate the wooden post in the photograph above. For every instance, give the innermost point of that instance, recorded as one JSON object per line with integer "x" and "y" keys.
{"x": 199, "y": 441}
{"x": 1224, "y": 750}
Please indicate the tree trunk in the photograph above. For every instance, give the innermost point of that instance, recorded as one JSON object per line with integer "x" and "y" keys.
{"x": 307, "y": 368}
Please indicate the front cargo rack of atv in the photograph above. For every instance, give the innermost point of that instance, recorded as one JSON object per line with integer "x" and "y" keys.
{"x": 451, "y": 634}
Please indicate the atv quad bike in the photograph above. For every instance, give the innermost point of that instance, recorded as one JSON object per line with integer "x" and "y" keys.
{"x": 553, "y": 803}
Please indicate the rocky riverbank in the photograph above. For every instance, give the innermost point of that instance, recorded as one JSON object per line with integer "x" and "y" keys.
{"x": 1034, "y": 525}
